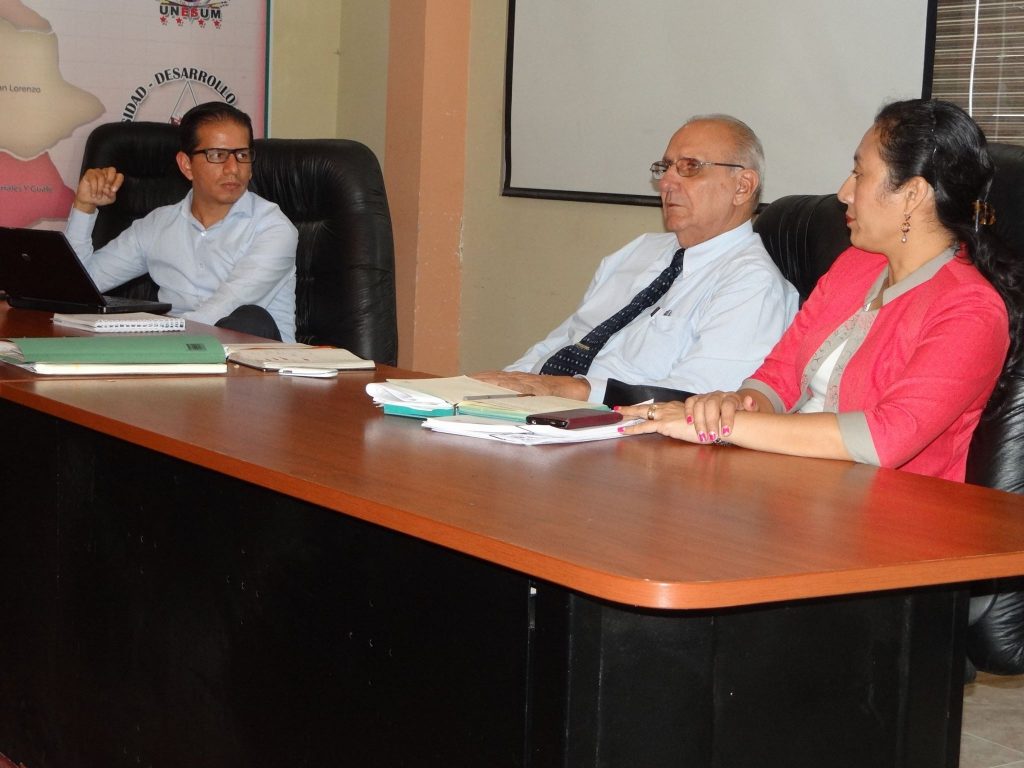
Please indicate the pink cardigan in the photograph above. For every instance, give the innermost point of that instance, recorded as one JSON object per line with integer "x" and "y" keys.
{"x": 913, "y": 393}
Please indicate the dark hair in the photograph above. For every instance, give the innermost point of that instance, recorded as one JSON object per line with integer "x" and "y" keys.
{"x": 940, "y": 142}
{"x": 210, "y": 112}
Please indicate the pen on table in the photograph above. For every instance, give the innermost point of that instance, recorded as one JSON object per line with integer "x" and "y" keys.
{"x": 495, "y": 397}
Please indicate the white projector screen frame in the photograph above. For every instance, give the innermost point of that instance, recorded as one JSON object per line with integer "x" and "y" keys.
{"x": 595, "y": 88}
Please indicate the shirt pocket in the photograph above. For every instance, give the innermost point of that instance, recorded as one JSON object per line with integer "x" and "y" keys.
{"x": 653, "y": 345}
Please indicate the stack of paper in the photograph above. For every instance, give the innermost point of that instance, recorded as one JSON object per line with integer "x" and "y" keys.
{"x": 523, "y": 434}
{"x": 425, "y": 398}
{"x": 421, "y": 398}
{"x": 99, "y": 355}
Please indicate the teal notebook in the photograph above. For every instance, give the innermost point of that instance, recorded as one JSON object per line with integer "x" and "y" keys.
{"x": 394, "y": 409}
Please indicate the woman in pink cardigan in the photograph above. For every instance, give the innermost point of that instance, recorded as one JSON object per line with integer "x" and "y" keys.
{"x": 894, "y": 355}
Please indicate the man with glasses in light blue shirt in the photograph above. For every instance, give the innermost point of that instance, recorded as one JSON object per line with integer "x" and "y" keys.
{"x": 223, "y": 255}
{"x": 694, "y": 309}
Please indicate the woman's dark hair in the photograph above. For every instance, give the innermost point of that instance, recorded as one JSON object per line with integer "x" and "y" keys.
{"x": 210, "y": 112}
{"x": 940, "y": 142}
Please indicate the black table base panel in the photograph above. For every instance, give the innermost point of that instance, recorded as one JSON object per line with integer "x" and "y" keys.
{"x": 156, "y": 613}
{"x": 861, "y": 681}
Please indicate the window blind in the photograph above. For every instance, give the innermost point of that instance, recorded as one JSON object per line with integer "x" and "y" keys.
{"x": 979, "y": 63}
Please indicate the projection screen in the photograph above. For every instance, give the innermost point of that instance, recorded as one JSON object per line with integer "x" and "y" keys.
{"x": 594, "y": 88}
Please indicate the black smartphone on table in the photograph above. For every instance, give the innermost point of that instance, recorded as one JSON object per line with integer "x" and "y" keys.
{"x": 575, "y": 418}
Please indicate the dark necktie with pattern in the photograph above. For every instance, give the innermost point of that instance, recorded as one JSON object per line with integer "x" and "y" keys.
{"x": 577, "y": 358}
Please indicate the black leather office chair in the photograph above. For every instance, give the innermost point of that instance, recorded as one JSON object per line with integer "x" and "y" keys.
{"x": 333, "y": 192}
{"x": 804, "y": 234}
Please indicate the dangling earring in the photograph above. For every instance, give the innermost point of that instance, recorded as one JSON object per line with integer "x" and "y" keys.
{"x": 905, "y": 227}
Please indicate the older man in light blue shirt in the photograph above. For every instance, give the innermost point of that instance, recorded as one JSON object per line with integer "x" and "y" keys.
{"x": 723, "y": 310}
{"x": 715, "y": 324}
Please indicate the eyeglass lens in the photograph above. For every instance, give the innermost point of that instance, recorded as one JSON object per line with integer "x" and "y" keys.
{"x": 685, "y": 166}
{"x": 219, "y": 155}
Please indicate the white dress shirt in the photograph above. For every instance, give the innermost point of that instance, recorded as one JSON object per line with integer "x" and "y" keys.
{"x": 248, "y": 257}
{"x": 710, "y": 331}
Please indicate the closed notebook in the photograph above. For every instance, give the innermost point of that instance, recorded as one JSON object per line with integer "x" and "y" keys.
{"x": 80, "y": 355}
{"x": 518, "y": 408}
{"x": 271, "y": 359}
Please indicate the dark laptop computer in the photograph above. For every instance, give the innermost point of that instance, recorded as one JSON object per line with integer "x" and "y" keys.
{"x": 39, "y": 270}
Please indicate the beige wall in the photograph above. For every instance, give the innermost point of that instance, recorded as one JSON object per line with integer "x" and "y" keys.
{"x": 524, "y": 263}
{"x": 329, "y": 70}
{"x": 304, "y": 47}
{"x": 363, "y": 72}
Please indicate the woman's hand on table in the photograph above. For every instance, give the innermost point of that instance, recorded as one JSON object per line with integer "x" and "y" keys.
{"x": 665, "y": 418}
{"x": 701, "y": 419}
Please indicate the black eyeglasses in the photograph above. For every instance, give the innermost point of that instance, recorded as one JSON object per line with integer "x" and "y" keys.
{"x": 218, "y": 155}
{"x": 685, "y": 166}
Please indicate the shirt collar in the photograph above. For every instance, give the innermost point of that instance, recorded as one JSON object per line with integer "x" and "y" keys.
{"x": 244, "y": 207}
{"x": 703, "y": 253}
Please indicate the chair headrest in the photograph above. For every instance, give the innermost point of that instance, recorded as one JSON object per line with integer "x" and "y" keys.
{"x": 804, "y": 234}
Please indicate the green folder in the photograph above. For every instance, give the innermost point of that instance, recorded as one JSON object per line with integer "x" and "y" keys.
{"x": 125, "y": 350}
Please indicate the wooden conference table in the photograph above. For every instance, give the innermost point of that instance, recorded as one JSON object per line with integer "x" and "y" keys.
{"x": 244, "y": 569}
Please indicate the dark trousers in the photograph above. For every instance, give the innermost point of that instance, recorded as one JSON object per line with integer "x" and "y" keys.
{"x": 251, "y": 319}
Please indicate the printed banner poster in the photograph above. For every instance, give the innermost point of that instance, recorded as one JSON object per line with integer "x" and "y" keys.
{"x": 66, "y": 67}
